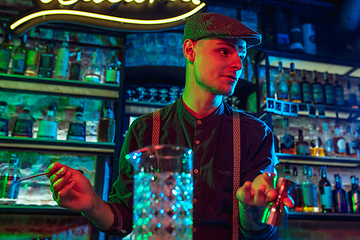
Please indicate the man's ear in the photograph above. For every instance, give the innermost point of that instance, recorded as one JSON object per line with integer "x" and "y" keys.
{"x": 189, "y": 49}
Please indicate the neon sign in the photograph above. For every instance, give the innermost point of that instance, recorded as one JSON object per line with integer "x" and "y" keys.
{"x": 123, "y": 15}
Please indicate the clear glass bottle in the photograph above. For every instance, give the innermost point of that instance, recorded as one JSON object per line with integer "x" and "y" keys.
{"x": 23, "y": 126}
{"x": 19, "y": 59}
{"x": 106, "y": 126}
{"x": 4, "y": 120}
{"x": 317, "y": 90}
{"x": 273, "y": 83}
{"x": 316, "y": 142}
{"x": 353, "y": 196}
{"x": 339, "y": 142}
{"x": 62, "y": 60}
{"x": 76, "y": 67}
{"x": 287, "y": 140}
{"x": 305, "y": 89}
{"x": 32, "y": 58}
{"x": 282, "y": 90}
{"x": 5, "y": 53}
{"x": 297, "y": 193}
{"x": 302, "y": 147}
{"x": 325, "y": 192}
{"x": 93, "y": 70}
{"x": 9, "y": 174}
{"x": 46, "y": 63}
{"x": 295, "y": 94}
{"x": 329, "y": 141}
{"x": 339, "y": 197}
{"x": 113, "y": 71}
{"x": 77, "y": 128}
{"x": 339, "y": 92}
{"x": 308, "y": 190}
{"x": 48, "y": 126}
{"x": 329, "y": 90}
{"x": 351, "y": 100}
{"x": 355, "y": 143}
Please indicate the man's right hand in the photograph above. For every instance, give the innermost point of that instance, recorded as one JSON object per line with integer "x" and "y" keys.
{"x": 70, "y": 188}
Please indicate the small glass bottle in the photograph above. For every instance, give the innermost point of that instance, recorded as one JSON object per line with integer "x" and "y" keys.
{"x": 339, "y": 92}
{"x": 93, "y": 70}
{"x": 325, "y": 192}
{"x": 282, "y": 89}
{"x": 329, "y": 141}
{"x": 5, "y": 53}
{"x": 23, "y": 126}
{"x": 32, "y": 58}
{"x": 76, "y": 67}
{"x": 353, "y": 197}
{"x": 113, "y": 71}
{"x": 329, "y": 90}
{"x": 317, "y": 90}
{"x": 297, "y": 193}
{"x": 106, "y": 126}
{"x": 339, "y": 142}
{"x": 4, "y": 120}
{"x": 48, "y": 126}
{"x": 302, "y": 147}
{"x": 308, "y": 190}
{"x": 7, "y": 176}
{"x": 339, "y": 197}
{"x": 355, "y": 143}
{"x": 305, "y": 88}
{"x": 46, "y": 63}
{"x": 62, "y": 60}
{"x": 295, "y": 95}
{"x": 19, "y": 59}
{"x": 315, "y": 143}
{"x": 287, "y": 140}
{"x": 351, "y": 100}
{"x": 77, "y": 128}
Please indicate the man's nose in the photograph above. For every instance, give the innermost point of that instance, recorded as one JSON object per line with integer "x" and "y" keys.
{"x": 236, "y": 62}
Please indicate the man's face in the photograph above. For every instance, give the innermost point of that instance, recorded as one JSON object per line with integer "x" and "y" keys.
{"x": 218, "y": 64}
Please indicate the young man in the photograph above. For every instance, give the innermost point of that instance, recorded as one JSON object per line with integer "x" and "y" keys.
{"x": 214, "y": 46}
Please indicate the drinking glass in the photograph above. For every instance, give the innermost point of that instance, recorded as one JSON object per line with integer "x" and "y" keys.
{"x": 163, "y": 94}
{"x": 142, "y": 93}
{"x": 153, "y": 94}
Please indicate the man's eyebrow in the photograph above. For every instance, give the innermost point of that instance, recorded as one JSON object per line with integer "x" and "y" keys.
{"x": 242, "y": 49}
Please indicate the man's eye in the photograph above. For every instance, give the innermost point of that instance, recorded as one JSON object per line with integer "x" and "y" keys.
{"x": 224, "y": 51}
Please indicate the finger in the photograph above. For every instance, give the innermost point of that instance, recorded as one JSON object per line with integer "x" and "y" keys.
{"x": 60, "y": 183}
{"x": 244, "y": 193}
{"x": 288, "y": 201}
{"x": 271, "y": 195}
{"x": 61, "y": 196}
{"x": 269, "y": 177}
{"x": 60, "y": 173}
{"x": 53, "y": 168}
{"x": 260, "y": 195}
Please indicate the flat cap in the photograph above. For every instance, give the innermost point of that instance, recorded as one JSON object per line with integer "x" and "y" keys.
{"x": 204, "y": 25}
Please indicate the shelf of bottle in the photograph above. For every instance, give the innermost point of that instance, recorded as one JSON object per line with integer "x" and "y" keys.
{"x": 324, "y": 216}
{"x": 56, "y": 146}
{"x": 35, "y": 209}
{"x": 315, "y": 160}
{"x": 19, "y": 83}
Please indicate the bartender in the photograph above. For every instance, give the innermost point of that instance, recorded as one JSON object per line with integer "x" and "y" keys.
{"x": 214, "y": 46}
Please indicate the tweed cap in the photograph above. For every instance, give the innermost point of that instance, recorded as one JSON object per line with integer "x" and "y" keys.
{"x": 204, "y": 25}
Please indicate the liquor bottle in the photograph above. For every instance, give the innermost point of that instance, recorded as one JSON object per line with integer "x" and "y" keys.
{"x": 48, "y": 126}
{"x": 305, "y": 88}
{"x": 32, "y": 59}
{"x": 19, "y": 59}
{"x": 355, "y": 143}
{"x": 276, "y": 144}
{"x": 308, "y": 190}
{"x": 339, "y": 92}
{"x": 62, "y": 60}
{"x": 286, "y": 171}
{"x": 353, "y": 197}
{"x": 9, "y": 174}
{"x": 93, "y": 70}
{"x": 329, "y": 141}
{"x": 5, "y": 54}
{"x": 349, "y": 137}
{"x": 23, "y": 126}
{"x": 316, "y": 142}
{"x": 4, "y": 120}
{"x": 77, "y": 128}
{"x": 295, "y": 95}
{"x": 325, "y": 192}
{"x": 317, "y": 90}
{"x": 351, "y": 95}
{"x": 76, "y": 67}
{"x": 297, "y": 193}
{"x": 106, "y": 126}
{"x": 287, "y": 140}
{"x": 283, "y": 87}
{"x": 329, "y": 90}
{"x": 296, "y": 35}
{"x": 113, "y": 71}
{"x": 339, "y": 197}
{"x": 46, "y": 63}
{"x": 302, "y": 147}
{"x": 339, "y": 142}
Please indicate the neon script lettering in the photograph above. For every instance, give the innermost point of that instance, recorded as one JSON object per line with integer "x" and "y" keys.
{"x": 71, "y": 2}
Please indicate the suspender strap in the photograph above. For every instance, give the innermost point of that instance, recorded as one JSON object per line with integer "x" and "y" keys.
{"x": 236, "y": 173}
{"x": 156, "y": 128}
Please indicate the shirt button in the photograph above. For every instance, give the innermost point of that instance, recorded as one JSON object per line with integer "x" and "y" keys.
{"x": 194, "y": 229}
{"x": 197, "y": 142}
{"x": 198, "y": 121}
{"x": 196, "y": 171}
{"x": 194, "y": 200}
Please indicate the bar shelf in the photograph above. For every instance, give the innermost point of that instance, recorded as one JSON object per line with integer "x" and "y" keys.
{"x": 313, "y": 160}
{"x": 324, "y": 216}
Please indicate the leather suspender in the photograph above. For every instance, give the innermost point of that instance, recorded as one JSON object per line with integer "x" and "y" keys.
{"x": 236, "y": 171}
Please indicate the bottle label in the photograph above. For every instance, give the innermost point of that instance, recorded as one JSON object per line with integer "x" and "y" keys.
{"x": 112, "y": 76}
{"x": 92, "y": 78}
{"x": 46, "y": 60}
{"x": 306, "y": 92}
{"x": 47, "y": 129}
{"x": 352, "y": 99}
{"x": 62, "y": 62}
{"x": 353, "y": 148}
{"x": 329, "y": 145}
{"x": 283, "y": 90}
{"x": 32, "y": 57}
{"x": 4, "y": 126}
{"x": 318, "y": 93}
{"x": 326, "y": 198}
{"x": 288, "y": 141}
{"x": 77, "y": 131}
{"x": 341, "y": 144}
{"x": 295, "y": 91}
{"x": 339, "y": 96}
{"x": 303, "y": 149}
{"x": 329, "y": 94}
{"x": 23, "y": 127}
{"x": 18, "y": 62}
{"x": 308, "y": 194}
{"x": 4, "y": 59}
